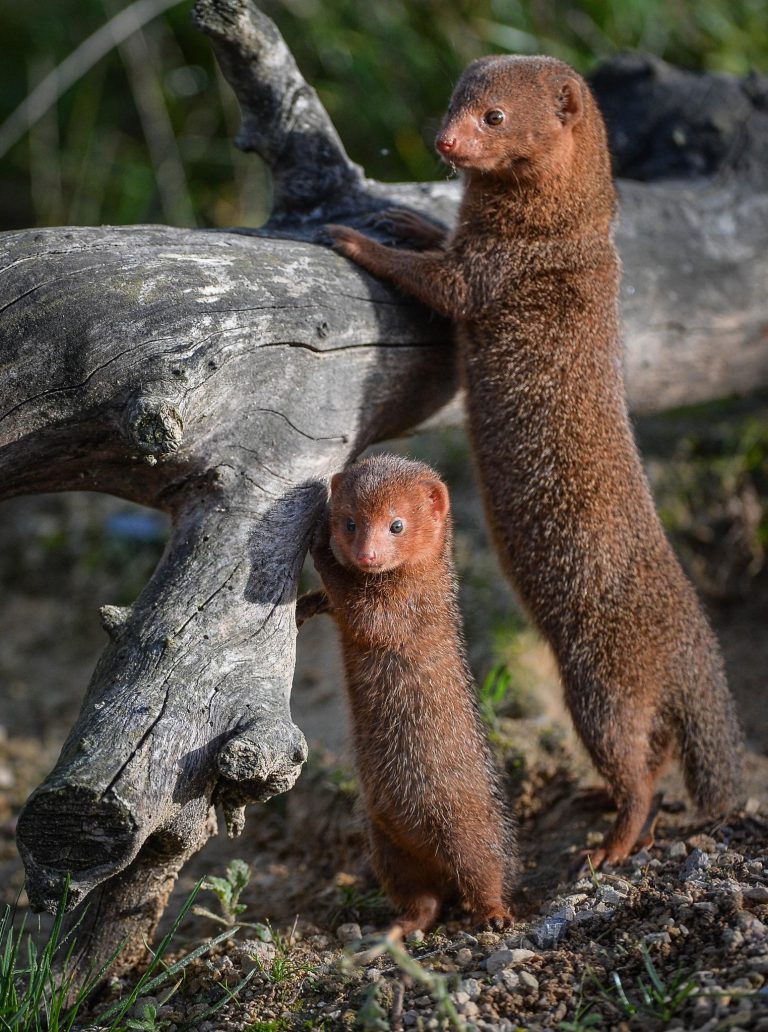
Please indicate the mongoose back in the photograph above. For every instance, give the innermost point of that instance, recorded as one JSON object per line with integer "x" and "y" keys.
{"x": 531, "y": 277}
{"x": 437, "y": 828}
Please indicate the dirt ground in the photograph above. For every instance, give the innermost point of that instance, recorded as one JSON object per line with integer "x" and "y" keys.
{"x": 693, "y": 908}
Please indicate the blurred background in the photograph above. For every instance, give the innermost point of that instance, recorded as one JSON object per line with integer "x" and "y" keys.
{"x": 144, "y": 131}
{"x": 137, "y": 126}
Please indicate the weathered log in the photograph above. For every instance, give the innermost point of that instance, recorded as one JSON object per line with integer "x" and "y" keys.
{"x": 222, "y": 377}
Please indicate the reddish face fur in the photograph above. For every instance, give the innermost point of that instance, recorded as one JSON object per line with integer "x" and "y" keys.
{"x": 496, "y": 123}
{"x": 376, "y": 527}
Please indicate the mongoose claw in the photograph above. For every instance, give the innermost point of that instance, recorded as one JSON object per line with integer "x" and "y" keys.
{"x": 497, "y": 922}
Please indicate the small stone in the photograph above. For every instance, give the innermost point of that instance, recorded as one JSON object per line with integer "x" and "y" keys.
{"x": 757, "y": 894}
{"x": 498, "y": 960}
{"x": 521, "y": 956}
{"x": 549, "y": 932}
{"x": 528, "y": 981}
{"x": 565, "y": 913}
{"x": 657, "y": 938}
{"x": 410, "y": 1018}
{"x": 373, "y": 974}
{"x": 471, "y": 1010}
{"x": 698, "y": 861}
{"x": 609, "y": 895}
{"x": 677, "y": 851}
{"x": 640, "y": 859}
{"x": 348, "y": 933}
{"x": 604, "y": 909}
{"x": 417, "y": 936}
{"x": 509, "y": 979}
{"x": 471, "y": 987}
{"x": 460, "y": 998}
{"x": 464, "y": 957}
{"x": 471, "y": 939}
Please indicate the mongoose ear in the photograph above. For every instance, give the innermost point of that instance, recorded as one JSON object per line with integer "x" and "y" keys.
{"x": 438, "y": 497}
{"x": 336, "y": 481}
{"x": 570, "y": 105}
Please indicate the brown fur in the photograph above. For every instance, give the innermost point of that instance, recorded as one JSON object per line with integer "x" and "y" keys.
{"x": 531, "y": 276}
{"x": 437, "y": 827}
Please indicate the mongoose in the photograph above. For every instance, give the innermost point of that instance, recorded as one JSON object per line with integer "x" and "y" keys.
{"x": 531, "y": 277}
{"x": 437, "y": 828}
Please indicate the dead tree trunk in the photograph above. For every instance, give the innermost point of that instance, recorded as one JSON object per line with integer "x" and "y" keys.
{"x": 222, "y": 377}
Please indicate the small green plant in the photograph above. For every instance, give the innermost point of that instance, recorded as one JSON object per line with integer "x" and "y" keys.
{"x": 149, "y": 1021}
{"x": 372, "y": 1017}
{"x": 227, "y": 891}
{"x": 436, "y": 984}
{"x": 493, "y": 692}
{"x": 657, "y": 1000}
{"x": 585, "y": 1020}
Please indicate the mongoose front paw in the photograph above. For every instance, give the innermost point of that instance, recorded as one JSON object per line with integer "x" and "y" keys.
{"x": 497, "y": 920}
{"x": 346, "y": 241}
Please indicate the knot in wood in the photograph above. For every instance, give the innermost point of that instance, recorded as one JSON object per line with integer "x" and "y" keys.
{"x": 155, "y": 425}
{"x": 113, "y": 619}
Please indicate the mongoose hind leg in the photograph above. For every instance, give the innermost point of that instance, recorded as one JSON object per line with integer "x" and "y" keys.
{"x": 482, "y": 888}
{"x": 414, "y": 885}
{"x": 629, "y": 745}
{"x": 634, "y": 801}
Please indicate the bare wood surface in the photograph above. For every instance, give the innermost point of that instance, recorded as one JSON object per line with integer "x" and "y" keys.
{"x": 222, "y": 377}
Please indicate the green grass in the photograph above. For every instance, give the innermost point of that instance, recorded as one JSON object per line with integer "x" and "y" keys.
{"x": 657, "y": 999}
{"x": 37, "y": 987}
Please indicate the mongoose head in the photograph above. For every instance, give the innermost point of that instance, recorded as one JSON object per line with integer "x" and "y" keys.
{"x": 514, "y": 118}
{"x": 387, "y": 512}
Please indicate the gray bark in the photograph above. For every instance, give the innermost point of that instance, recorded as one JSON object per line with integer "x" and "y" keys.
{"x": 222, "y": 377}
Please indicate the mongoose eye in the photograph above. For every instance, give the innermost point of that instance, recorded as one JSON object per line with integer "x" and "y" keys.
{"x": 494, "y": 117}
{"x": 351, "y": 525}
{"x": 396, "y": 527}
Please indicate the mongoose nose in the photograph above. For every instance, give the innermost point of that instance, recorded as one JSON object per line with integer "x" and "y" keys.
{"x": 445, "y": 144}
{"x": 366, "y": 558}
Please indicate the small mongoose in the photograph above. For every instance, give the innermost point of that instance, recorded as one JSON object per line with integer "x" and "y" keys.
{"x": 531, "y": 277}
{"x": 437, "y": 827}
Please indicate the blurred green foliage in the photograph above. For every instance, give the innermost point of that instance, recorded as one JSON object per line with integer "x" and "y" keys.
{"x": 145, "y": 135}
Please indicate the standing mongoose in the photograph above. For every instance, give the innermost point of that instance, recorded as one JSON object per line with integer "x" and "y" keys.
{"x": 437, "y": 827}
{"x": 531, "y": 277}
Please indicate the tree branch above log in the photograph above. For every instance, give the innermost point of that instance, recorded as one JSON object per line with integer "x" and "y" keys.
{"x": 223, "y": 376}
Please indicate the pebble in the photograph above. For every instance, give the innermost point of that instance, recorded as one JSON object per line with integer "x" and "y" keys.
{"x": 509, "y": 979}
{"x": 677, "y": 851}
{"x": 529, "y": 981}
{"x": 471, "y": 987}
{"x": 410, "y": 1018}
{"x": 657, "y": 938}
{"x": 464, "y": 957}
{"x": 757, "y": 894}
{"x": 549, "y": 932}
{"x": 417, "y": 936}
{"x": 640, "y": 859}
{"x": 347, "y": 933}
{"x": 373, "y": 974}
{"x": 498, "y": 960}
{"x": 520, "y": 956}
{"x": 460, "y": 997}
{"x": 609, "y": 895}
{"x": 698, "y": 861}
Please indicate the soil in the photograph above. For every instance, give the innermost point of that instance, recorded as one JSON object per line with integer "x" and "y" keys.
{"x": 675, "y": 937}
